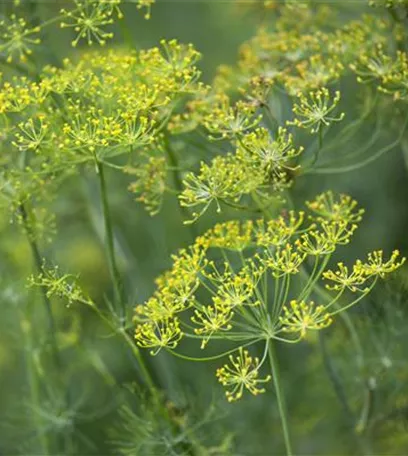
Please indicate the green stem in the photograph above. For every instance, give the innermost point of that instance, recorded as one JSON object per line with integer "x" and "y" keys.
{"x": 26, "y": 330}
{"x": 39, "y": 268}
{"x": 280, "y": 397}
{"x": 110, "y": 247}
{"x": 142, "y": 365}
{"x": 335, "y": 378}
{"x": 178, "y": 182}
{"x": 317, "y": 153}
{"x": 136, "y": 352}
{"x": 373, "y": 157}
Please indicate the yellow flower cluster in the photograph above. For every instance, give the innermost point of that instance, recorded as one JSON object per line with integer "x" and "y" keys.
{"x": 301, "y": 57}
{"x": 314, "y": 110}
{"x": 88, "y": 20}
{"x": 157, "y": 335}
{"x": 90, "y": 17}
{"x": 242, "y": 373}
{"x": 263, "y": 164}
{"x": 225, "y": 121}
{"x": 232, "y": 235}
{"x": 108, "y": 103}
{"x": 376, "y": 266}
{"x": 335, "y": 208}
{"x": 17, "y": 38}
{"x": 386, "y": 69}
{"x": 278, "y": 231}
{"x": 248, "y": 281}
{"x": 271, "y": 154}
{"x": 237, "y": 109}
{"x": 150, "y": 182}
{"x": 226, "y": 180}
{"x": 300, "y": 317}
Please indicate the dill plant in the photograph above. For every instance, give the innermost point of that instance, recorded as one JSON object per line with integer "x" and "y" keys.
{"x": 272, "y": 275}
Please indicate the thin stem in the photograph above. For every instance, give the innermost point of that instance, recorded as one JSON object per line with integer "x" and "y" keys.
{"x": 113, "y": 268}
{"x": 211, "y": 358}
{"x": 131, "y": 344}
{"x": 335, "y": 379}
{"x": 27, "y": 333}
{"x": 280, "y": 397}
{"x": 39, "y": 268}
{"x": 142, "y": 365}
{"x": 316, "y": 156}
{"x": 313, "y": 284}
{"x": 178, "y": 182}
{"x": 373, "y": 157}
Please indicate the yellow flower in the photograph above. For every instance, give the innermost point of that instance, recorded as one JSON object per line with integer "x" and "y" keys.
{"x": 314, "y": 111}
{"x": 226, "y": 179}
{"x": 278, "y": 231}
{"x": 273, "y": 154}
{"x": 17, "y": 39}
{"x": 32, "y": 134}
{"x": 150, "y": 183}
{"x": 242, "y": 373}
{"x": 285, "y": 261}
{"x": 161, "y": 306}
{"x": 88, "y": 20}
{"x": 373, "y": 64}
{"x": 226, "y": 121}
{"x": 237, "y": 290}
{"x": 158, "y": 335}
{"x": 342, "y": 278}
{"x": 341, "y": 208}
{"x": 300, "y": 317}
{"x": 377, "y": 266}
{"x": 231, "y": 235}
{"x": 315, "y": 243}
{"x": 338, "y": 232}
{"x": 211, "y": 319}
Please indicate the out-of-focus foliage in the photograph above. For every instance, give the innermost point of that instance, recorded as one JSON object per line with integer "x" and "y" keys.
{"x": 175, "y": 162}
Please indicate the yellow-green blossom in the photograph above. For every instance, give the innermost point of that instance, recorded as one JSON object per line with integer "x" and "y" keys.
{"x": 17, "y": 38}
{"x": 211, "y": 319}
{"x": 300, "y": 317}
{"x": 242, "y": 373}
{"x": 314, "y": 111}
{"x": 158, "y": 335}
{"x": 343, "y": 278}
{"x": 337, "y": 208}
{"x": 376, "y": 265}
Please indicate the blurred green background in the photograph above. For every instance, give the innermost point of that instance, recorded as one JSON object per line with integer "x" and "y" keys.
{"x": 144, "y": 246}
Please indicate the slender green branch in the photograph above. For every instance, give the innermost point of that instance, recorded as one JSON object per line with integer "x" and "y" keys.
{"x": 110, "y": 247}
{"x": 39, "y": 268}
{"x": 142, "y": 365}
{"x": 172, "y": 157}
{"x": 335, "y": 379}
{"x": 211, "y": 358}
{"x": 280, "y": 397}
{"x": 122, "y": 331}
{"x": 26, "y": 329}
{"x": 314, "y": 277}
{"x": 367, "y": 161}
{"x": 317, "y": 153}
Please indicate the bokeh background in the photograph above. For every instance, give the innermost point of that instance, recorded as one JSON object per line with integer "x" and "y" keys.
{"x": 144, "y": 244}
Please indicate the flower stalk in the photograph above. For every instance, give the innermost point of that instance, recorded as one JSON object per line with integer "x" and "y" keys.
{"x": 280, "y": 397}
{"x": 110, "y": 247}
{"x": 39, "y": 268}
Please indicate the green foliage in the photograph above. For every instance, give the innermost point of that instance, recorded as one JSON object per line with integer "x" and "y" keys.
{"x": 266, "y": 289}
